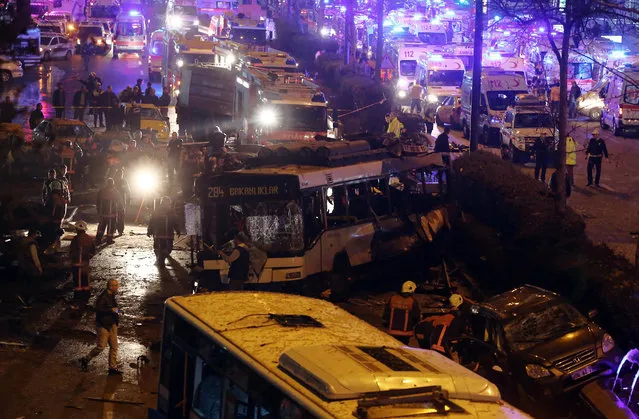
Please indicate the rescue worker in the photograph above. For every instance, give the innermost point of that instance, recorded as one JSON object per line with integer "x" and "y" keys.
{"x": 402, "y": 313}
{"x": 595, "y": 152}
{"x": 66, "y": 183}
{"x": 437, "y": 332}
{"x": 394, "y": 126}
{"x": 162, "y": 225}
{"x": 239, "y": 260}
{"x": 29, "y": 265}
{"x": 416, "y": 92}
{"x": 46, "y": 186}
{"x": 122, "y": 186}
{"x": 81, "y": 250}
{"x": 571, "y": 158}
{"x": 442, "y": 145}
{"x": 108, "y": 205}
{"x": 173, "y": 159}
{"x": 107, "y": 319}
{"x": 430, "y": 111}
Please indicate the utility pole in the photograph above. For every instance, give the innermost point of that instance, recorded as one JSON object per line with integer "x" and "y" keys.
{"x": 379, "y": 51}
{"x": 476, "y": 92}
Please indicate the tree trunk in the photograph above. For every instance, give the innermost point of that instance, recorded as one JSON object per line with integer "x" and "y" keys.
{"x": 476, "y": 91}
{"x": 320, "y": 15}
{"x": 379, "y": 51}
{"x": 563, "y": 120}
{"x": 350, "y": 39}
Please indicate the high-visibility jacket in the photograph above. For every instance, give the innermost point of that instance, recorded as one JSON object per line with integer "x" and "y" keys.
{"x": 401, "y": 315}
{"x": 395, "y": 127}
{"x": 555, "y": 94}
{"x": 435, "y": 331}
{"x": 571, "y": 151}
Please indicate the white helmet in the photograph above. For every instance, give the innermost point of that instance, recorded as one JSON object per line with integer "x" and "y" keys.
{"x": 408, "y": 287}
{"x": 456, "y": 300}
{"x": 81, "y": 226}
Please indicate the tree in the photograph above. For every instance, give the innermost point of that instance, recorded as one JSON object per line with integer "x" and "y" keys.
{"x": 379, "y": 50}
{"x": 573, "y": 18}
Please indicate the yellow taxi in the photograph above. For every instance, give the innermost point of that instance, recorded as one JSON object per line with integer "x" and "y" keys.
{"x": 61, "y": 130}
{"x": 151, "y": 120}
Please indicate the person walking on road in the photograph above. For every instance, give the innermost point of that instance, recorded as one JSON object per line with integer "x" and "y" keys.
{"x": 81, "y": 250}
{"x": 240, "y": 262}
{"x": 107, "y": 319}
{"x": 36, "y": 116}
{"x": 122, "y": 186}
{"x": 402, "y": 313}
{"x": 108, "y": 205}
{"x": 87, "y": 51}
{"x": 59, "y": 100}
{"x": 555, "y": 96}
{"x": 96, "y": 107}
{"x": 541, "y": 158}
{"x": 575, "y": 93}
{"x": 571, "y": 158}
{"x": 162, "y": 225}
{"x": 416, "y": 92}
{"x": 595, "y": 152}
{"x": 80, "y": 103}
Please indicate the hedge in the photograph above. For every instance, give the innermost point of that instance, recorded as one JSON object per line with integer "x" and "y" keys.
{"x": 513, "y": 235}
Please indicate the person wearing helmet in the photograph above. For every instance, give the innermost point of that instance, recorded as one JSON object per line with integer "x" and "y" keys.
{"x": 109, "y": 203}
{"x": 54, "y": 200}
{"x": 161, "y": 226}
{"x": 595, "y": 152}
{"x": 240, "y": 262}
{"x": 81, "y": 250}
{"x": 437, "y": 332}
{"x": 174, "y": 154}
{"x": 402, "y": 313}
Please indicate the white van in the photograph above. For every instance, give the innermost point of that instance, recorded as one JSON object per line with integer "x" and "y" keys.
{"x": 129, "y": 34}
{"x": 498, "y": 91}
{"x": 621, "y": 102}
{"x": 441, "y": 76}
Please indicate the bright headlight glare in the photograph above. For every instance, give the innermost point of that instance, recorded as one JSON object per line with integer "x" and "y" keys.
{"x": 196, "y": 23}
{"x": 432, "y": 98}
{"x": 146, "y": 180}
{"x": 266, "y": 117}
{"x": 230, "y": 58}
{"x": 401, "y": 94}
{"x": 175, "y": 22}
{"x": 180, "y": 63}
{"x": 402, "y": 83}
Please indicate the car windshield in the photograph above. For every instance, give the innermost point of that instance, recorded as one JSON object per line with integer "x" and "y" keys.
{"x": 89, "y": 31}
{"x": 302, "y": 118}
{"x": 533, "y": 120}
{"x": 274, "y": 227}
{"x": 500, "y": 100}
{"x": 185, "y": 10}
{"x": 529, "y": 328}
{"x": 445, "y": 77}
{"x": 105, "y": 12}
{"x": 407, "y": 67}
{"x": 631, "y": 94}
{"x": 50, "y": 28}
{"x": 129, "y": 29}
{"x": 67, "y": 130}
{"x": 432, "y": 38}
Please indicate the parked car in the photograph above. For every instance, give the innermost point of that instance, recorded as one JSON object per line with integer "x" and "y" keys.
{"x": 53, "y": 46}
{"x": 61, "y": 130}
{"x": 533, "y": 341}
{"x": 10, "y": 69}
{"x": 592, "y": 102}
{"x": 449, "y": 112}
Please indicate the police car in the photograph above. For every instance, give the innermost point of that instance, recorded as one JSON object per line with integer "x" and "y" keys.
{"x": 54, "y": 46}
{"x": 523, "y": 124}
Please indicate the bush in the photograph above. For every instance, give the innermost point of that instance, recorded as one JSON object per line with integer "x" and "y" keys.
{"x": 513, "y": 235}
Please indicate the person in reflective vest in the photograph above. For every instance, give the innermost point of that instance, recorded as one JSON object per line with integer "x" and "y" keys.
{"x": 402, "y": 313}
{"x": 240, "y": 262}
{"x": 81, "y": 250}
{"x": 571, "y": 158}
{"x": 437, "y": 332}
{"x": 108, "y": 204}
{"x": 161, "y": 226}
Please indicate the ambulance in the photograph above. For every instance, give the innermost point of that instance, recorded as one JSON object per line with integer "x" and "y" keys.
{"x": 499, "y": 89}
{"x": 433, "y": 33}
{"x": 407, "y": 56}
{"x": 441, "y": 76}
{"x": 130, "y": 34}
{"x": 506, "y": 63}
{"x": 621, "y": 100}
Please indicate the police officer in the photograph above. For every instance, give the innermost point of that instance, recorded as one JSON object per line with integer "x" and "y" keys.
{"x": 240, "y": 260}
{"x": 161, "y": 226}
{"x": 122, "y": 186}
{"x": 81, "y": 250}
{"x": 595, "y": 152}
{"x": 402, "y": 313}
{"x": 108, "y": 205}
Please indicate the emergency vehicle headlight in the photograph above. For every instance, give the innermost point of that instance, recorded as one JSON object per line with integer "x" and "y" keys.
{"x": 99, "y": 42}
{"x": 402, "y": 83}
{"x": 180, "y": 63}
{"x": 267, "y": 117}
{"x": 401, "y": 94}
{"x": 41, "y": 50}
{"x": 231, "y": 59}
{"x": 325, "y": 32}
{"x": 196, "y": 23}
{"x": 71, "y": 27}
{"x": 432, "y": 98}
{"x": 174, "y": 22}
{"x": 146, "y": 180}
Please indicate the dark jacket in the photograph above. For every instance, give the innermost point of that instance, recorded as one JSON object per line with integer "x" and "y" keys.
{"x": 109, "y": 99}
{"x": 597, "y": 148}
{"x": 7, "y": 112}
{"x": 162, "y": 224}
{"x": 441, "y": 144}
{"x": 150, "y": 99}
{"x": 59, "y": 97}
{"x": 164, "y": 100}
{"x": 540, "y": 147}
{"x": 109, "y": 202}
{"x": 104, "y": 315}
{"x": 35, "y": 118}
{"x": 575, "y": 92}
{"x": 78, "y": 100}
{"x": 239, "y": 269}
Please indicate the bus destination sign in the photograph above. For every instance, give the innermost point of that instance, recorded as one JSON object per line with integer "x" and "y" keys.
{"x": 238, "y": 188}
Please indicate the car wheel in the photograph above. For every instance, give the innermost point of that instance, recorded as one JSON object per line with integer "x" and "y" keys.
{"x": 5, "y": 76}
{"x": 68, "y": 55}
{"x": 595, "y": 114}
{"x": 47, "y": 56}
{"x": 617, "y": 131}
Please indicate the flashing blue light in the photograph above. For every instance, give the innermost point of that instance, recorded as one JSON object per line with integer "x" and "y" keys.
{"x": 450, "y": 13}
{"x": 497, "y": 17}
{"x": 435, "y": 21}
{"x": 134, "y": 13}
{"x": 542, "y": 29}
{"x": 397, "y": 29}
{"x": 506, "y": 33}
{"x": 342, "y": 9}
{"x": 617, "y": 54}
{"x": 387, "y": 22}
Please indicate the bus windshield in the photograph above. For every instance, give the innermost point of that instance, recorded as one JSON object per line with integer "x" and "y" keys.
{"x": 407, "y": 67}
{"x": 445, "y": 77}
{"x": 105, "y": 12}
{"x": 274, "y": 227}
{"x": 302, "y": 118}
